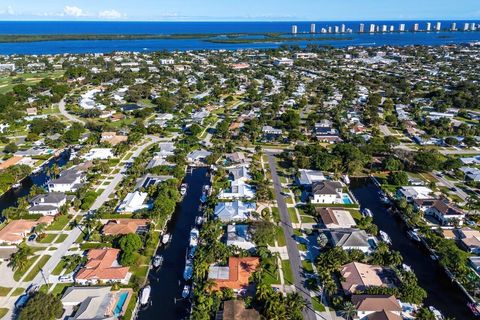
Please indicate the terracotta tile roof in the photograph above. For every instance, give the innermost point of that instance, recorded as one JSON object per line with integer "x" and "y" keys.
{"x": 365, "y": 302}
{"x": 240, "y": 270}
{"x": 384, "y": 315}
{"x": 102, "y": 265}
{"x": 10, "y": 162}
{"x": 123, "y": 226}
{"x": 358, "y": 276}
{"x": 235, "y": 310}
{"x": 16, "y": 230}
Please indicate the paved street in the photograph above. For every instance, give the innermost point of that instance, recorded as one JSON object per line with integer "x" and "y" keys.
{"x": 292, "y": 249}
{"x": 444, "y": 181}
{"x": 63, "y": 111}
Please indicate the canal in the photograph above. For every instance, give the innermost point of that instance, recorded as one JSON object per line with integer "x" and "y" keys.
{"x": 443, "y": 294}
{"x": 167, "y": 283}
{"x": 10, "y": 198}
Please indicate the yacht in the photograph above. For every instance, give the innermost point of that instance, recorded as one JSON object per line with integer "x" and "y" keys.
{"x": 385, "y": 237}
{"x": 199, "y": 221}
{"x": 186, "y": 291}
{"x": 166, "y": 238}
{"x": 16, "y": 185}
{"x": 412, "y": 234}
{"x": 191, "y": 252}
{"x": 145, "y": 295}
{"x": 194, "y": 233}
{"x": 407, "y": 268}
{"x": 367, "y": 212}
{"x": 346, "y": 179}
{"x": 203, "y": 198}
{"x": 188, "y": 272}
{"x": 436, "y": 313}
{"x": 157, "y": 261}
{"x": 183, "y": 189}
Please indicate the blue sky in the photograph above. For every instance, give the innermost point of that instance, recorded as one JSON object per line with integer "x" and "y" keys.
{"x": 227, "y": 10}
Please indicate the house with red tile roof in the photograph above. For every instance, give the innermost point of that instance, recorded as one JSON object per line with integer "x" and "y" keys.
{"x": 359, "y": 276}
{"x": 236, "y": 275}
{"x": 377, "y": 307}
{"x": 125, "y": 226}
{"x": 102, "y": 267}
{"x": 16, "y": 230}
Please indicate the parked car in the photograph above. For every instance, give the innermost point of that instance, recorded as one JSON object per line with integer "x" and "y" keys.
{"x": 32, "y": 237}
{"x": 65, "y": 279}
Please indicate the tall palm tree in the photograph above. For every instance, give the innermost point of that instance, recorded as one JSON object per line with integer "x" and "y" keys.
{"x": 348, "y": 310}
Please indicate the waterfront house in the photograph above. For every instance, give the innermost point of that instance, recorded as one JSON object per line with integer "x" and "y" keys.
{"x": 125, "y": 226}
{"x": 349, "y": 239}
{"x": 423, "y": 204}
{"x": 102, "y": 267}
{"x": 98, "y": 154}
{"x": 474, "y": 262}
{"x": 235, "y": 276}
{"x": 235, "y": 310}
{"x": 327, "y": 192}
{"x": 133, "y": 201}
{"x": 151, "y": 180}
{"x": 47, "y": 204}
{"x": 446, "y": 213}
{"x": 268, "y": 130}
{"x": 99, "y": 303}
{"x": 239, "y": 189}
{"x": 69, "y": 180}
{"x": 326, "y": 134}
{"x": 239, "y": 173}
{"x": 236, "y": 157}
{"x": 359, "y": 276}
{"x": 239, "y": 235}
{"x": 371, "y": 307}
{"x": 306, "y": 177}
{"x": 411, "y": 193}
{"x": 198, "y": 156}
{"x": 336, "y": 218}
{"x": 16, "y": 230}
{"x": 470, "y": 240}
{"x": 234, "y": 211}
{"x": 112, "y": 138}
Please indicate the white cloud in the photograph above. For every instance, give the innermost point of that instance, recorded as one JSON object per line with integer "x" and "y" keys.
{"x": 111, "y": 14}
{"x": 73, "y": 11}
{"x": 8, "y": 11}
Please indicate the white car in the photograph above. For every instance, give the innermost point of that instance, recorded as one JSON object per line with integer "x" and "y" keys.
{"x": 65, "y": 279}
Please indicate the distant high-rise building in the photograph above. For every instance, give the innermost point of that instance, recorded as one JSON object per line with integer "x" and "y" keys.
{"x": 372, "y": 28}
{"x": 384, "y": 28}
{"x": 392, "y": 28}
{"x": 312, "y": 28}
{"x": 329, "y": 29}
{"x": 323, "y": 30}
{"x": 402, "y": 27}
{"x": 466, "y": 26}
{"x": 429, "y": 26}
{"x": 294, "y": 29}
{"x": 453, "y": 26}
{"x": 415, "y": 27}
{"x": 438, "y": 27}
{"x": 342, "y": 28}
{"x": 361, "y": 29}
{"x": 473, "y": 26}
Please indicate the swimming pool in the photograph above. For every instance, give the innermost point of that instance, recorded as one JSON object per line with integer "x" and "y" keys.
{"x": 120, "y": 303}
{"x": 346, "y": 199}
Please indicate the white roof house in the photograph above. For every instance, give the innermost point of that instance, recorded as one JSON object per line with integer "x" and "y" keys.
{"x": 239, "y": 236}
{"x": 306, "y": 177}
{"x": 98, "y": 154}
{"x": 239, "y": 189}
{"x": 414, "y": 193}
{"x": 198, "y": 155}
{"x": 134, "y": 201}
{"x": 234, "y": 211}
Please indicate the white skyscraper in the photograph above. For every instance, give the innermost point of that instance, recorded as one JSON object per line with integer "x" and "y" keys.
{"x": 312, "y": 28}
{"x": 372, "y": 28}
{"x": 342, "y": 28}
{"x": 294, "y": 29}
{"x": 415, "y": 27}
{"x": 392, "y": 28}
{"x": 329, "y": 29}
{"x": 466, "y": 26}
{"x": 402, "y": 27}
{"x": 473, "y": 26}
{"x": 439, "y": 26}
{"x": 384, "y": 28}
{"x": 454, "y": 26}
{"x": 361, "y": 29}
{"x": 429, "y": 27}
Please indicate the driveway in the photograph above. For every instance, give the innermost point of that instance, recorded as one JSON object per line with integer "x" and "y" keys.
{"x": 292, "y": 249}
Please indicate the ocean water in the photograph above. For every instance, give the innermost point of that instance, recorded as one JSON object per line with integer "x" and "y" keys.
{"x": 106, "y": 46}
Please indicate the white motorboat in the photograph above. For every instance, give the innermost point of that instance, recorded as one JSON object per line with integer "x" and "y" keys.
{"x": 412, "y": 234}
{"x": 199, "y": 221}
{"x": 194, "y": 233}
{"x": 191, "y": 252}
{"x": 407, "y": 268}
{"x": 188, "y": 272}
{"x": 367, "y": 212}
{"x": 346, "y": 179}
{"x": 145, "y": 295}
{"x": 186, "y": 291}
{"x": 385, "y": 237}
{"x": 166, "y": 238}
{"x": 157, "y": 261}
{"x": 183, "y": 189}
{"x": 16, "y": 186}
{"x": 436, "y": 313}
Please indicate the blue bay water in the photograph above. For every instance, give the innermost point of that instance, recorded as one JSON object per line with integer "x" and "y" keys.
{"x": 106, "y": 46}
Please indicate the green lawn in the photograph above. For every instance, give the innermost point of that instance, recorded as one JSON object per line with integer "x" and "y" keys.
{"x": 18, "y": 274}
{"x": 307, "y": 266}
{"x": 4, "y": 291}
{"x": 61, "y": 238}
{"x": 280, "y": 236}
{"x": 18, "y": 292}
{"x": 275, "y": 214}
{"x": 59, "y": 268}
{"x": 272, "y": 276}
{"x": 58, "y": 289}
{"x": 287, "y": 272}
{"x": 43, "y": 260}
{"x": 307, "y": 219}
{"x": 49, "y": 237}
{"x": 3, "y": 312}
{"x": 59, "y": 223}
{"x": 293, "y": 215}
{"x": 317, "y": 305}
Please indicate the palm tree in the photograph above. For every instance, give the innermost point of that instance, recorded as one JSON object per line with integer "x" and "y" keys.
{"x": 19, "y": 259}
{"x": 348, "y": 310}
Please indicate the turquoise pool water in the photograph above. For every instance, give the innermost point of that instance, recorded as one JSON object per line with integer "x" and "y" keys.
{"x": 346, "y": 199}
{"x": 121, "y": 301}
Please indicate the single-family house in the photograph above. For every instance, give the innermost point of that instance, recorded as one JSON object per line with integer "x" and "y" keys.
{"x": 16, "y": 230}
{"x": 349, "y": 239}
{"x": 198, "y": 156}
{"x": 235, "y": 310}
{"x": 125, "y": 226}
{"x": 236, "y": 275}
{"x": 307, "y": 177}
{"x": 336, "y": 218}
{"x": 47, "y": 204}
{"x": 69, "y": 180}
{"x": 98, "y": 154}
{"x": 446, "y": 213}
{"x": 470, "y": 239}
{"x": 239, "y": 173}
{"x": 234, "y": 211}
{"x": 271, "y": 131}
{"x": 102, "y": 266}
{"x": 357, "y": 277}
{"x": 151, "y": 180}
{"x": 373, "y": 307}
{"x": 239, "y": 189}
{"x": 112, "y": 138}
{"x": 238, "y": 235}
{"x": 134, "y": 201}
{"x": 327, "y": 192}
{"x": 411, "y": 193}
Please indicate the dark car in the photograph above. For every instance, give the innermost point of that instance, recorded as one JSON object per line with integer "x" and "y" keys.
{"x": 32, "y": 237}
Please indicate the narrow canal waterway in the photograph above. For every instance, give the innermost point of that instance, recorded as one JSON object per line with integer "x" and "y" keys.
{"x": 443, "y": 294}
{"x": 167, "y": 283}
{"x": 10, "y": 198}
